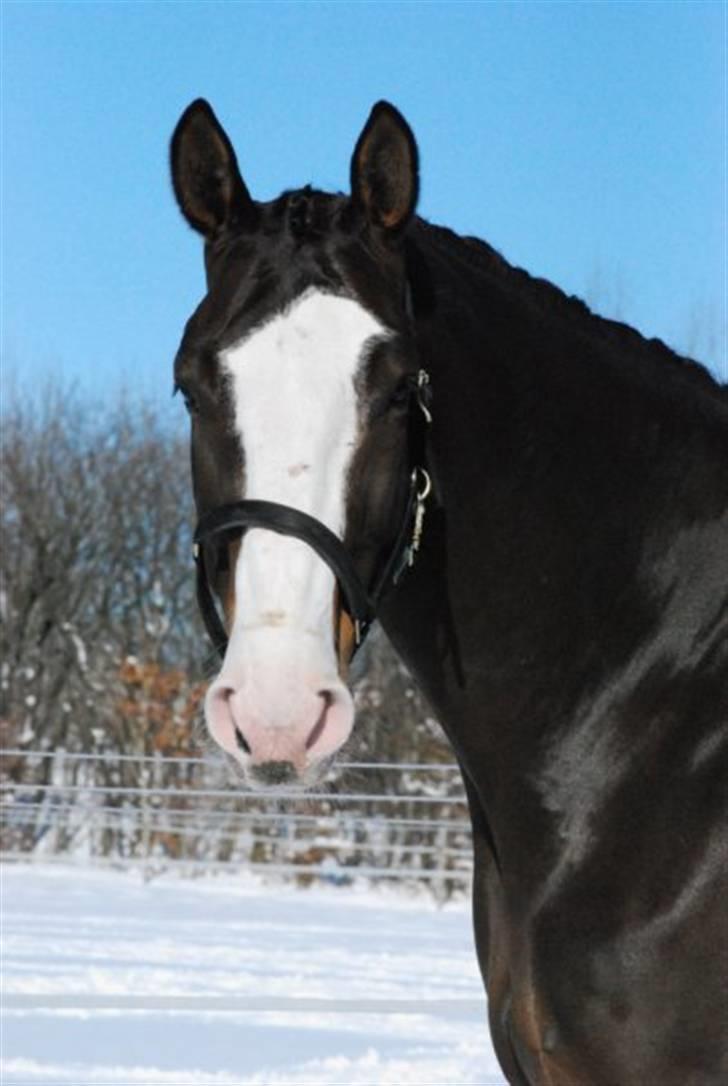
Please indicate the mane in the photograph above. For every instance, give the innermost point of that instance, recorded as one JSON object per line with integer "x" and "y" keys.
{"x": 628, "y": 345}
{"x": 311, "y": 213}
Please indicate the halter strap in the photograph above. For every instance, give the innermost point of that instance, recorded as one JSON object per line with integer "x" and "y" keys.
{"x": 360, "y": 603}
{"x": 285, "y": 520}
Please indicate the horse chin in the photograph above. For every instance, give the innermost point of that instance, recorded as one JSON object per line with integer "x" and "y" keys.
{"x": 284, "y": 778}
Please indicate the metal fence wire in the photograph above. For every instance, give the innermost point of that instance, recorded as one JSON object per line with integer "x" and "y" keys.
{"x": 378, "y": 822}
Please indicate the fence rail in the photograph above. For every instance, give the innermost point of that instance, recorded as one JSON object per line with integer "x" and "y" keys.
{"x": 210, "y": 818}
{"x": 278, "y": 796}
{"x": 182, "y": 759}
{"x": 159, "y": 813}
{"x": 232, "y": 1004}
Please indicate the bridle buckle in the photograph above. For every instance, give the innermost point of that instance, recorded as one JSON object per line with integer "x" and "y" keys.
{"x": 424, "y": 395}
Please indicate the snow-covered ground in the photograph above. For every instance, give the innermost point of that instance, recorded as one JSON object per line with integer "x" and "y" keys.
{"x": 87, "y": 932}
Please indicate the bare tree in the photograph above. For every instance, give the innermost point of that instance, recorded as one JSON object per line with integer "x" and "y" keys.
{"x": 95, "y": 565}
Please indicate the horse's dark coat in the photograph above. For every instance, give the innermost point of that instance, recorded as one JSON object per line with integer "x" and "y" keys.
{"x": 567, "y": 616}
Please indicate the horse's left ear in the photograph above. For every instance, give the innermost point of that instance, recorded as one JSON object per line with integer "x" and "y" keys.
{"x": 384, "y": 169}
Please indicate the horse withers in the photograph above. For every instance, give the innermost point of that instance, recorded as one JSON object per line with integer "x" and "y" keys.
{"x": 389, "y": 420}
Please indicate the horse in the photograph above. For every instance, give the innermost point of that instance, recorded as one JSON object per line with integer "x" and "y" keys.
{"x": 390, "y": 421}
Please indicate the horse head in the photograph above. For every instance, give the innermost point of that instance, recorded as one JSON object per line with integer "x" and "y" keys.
{"x": 301, "y": 377}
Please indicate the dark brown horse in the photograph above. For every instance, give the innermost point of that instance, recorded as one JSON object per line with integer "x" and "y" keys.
{"x": 565, "y": 496}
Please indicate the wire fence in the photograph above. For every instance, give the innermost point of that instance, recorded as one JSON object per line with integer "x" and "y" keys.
{"x": 372, "y": 821}
{"x": 235, "y": 1004}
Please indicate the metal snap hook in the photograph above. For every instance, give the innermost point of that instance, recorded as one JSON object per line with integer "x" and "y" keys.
{"x": 425, "y": 484}
{"x": 421, "y": 494}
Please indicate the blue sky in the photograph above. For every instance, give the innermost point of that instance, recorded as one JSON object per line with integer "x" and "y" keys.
{"x": 585, "y": 140}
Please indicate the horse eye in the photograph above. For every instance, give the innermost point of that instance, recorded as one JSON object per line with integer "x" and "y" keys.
{"x": 401, "y": 395}
{"x": 189, "y": 401}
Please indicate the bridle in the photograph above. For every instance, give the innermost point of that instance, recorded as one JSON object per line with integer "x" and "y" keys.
{"x": 358, "y": 601}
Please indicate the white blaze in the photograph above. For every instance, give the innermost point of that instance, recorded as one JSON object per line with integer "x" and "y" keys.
{"x": 295, "y": 403}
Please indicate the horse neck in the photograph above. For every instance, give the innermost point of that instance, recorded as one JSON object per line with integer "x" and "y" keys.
{"x": 568, "y": 455}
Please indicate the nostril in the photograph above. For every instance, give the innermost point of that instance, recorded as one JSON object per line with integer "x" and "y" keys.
{"x": 327, "y": 697}
{"x": 240, "y": 740}
{"x": 222, "y": 714}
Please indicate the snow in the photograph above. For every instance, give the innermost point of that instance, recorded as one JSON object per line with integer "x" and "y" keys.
{"x": 74, "y": 931}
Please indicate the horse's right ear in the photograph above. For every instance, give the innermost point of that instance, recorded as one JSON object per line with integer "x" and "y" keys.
{"x": 385, "y": 171}
{"x": 205, "y": 176}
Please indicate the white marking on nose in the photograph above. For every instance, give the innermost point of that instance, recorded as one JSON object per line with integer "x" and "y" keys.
{"x": 293, "y": 384}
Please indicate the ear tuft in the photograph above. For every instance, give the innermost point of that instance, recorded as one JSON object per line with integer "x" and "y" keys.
{"x": 384, "y": 169}
{"x": 205, "y": 176}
